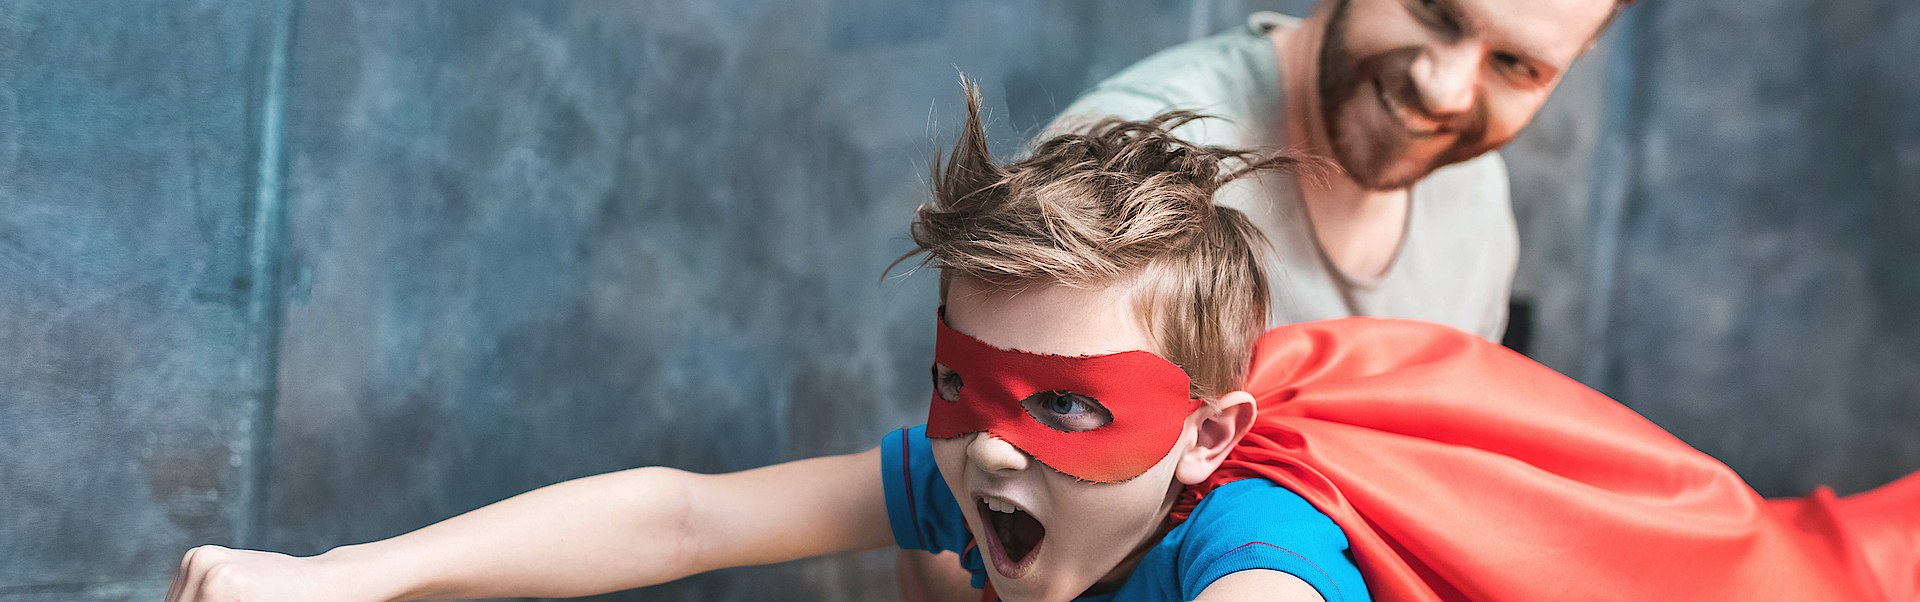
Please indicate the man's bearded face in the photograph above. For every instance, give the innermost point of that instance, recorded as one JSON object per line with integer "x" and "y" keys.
{"x": 1408, "y": 86}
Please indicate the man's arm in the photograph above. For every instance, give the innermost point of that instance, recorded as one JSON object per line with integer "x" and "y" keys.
{"x": 1261, "y": 585}
{"x": 586, "y": 536}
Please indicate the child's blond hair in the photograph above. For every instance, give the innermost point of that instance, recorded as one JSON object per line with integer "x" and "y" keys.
{"x": 1123, "y": 200}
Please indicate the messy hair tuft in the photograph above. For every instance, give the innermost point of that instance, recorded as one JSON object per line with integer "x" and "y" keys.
{"x": 1116, "y": 201}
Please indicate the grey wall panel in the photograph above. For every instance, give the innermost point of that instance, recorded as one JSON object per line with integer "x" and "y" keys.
{"x": 1766, "y": 299}
{"x": 127, "y": 158}
{"x": 1754, "y": 273}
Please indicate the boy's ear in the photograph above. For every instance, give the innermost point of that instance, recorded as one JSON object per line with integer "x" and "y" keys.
{"x": 1216, "y": 435}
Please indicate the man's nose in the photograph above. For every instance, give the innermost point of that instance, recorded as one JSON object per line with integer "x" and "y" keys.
{"x": 1444, "y": 77}
{"x": 994, "y": 454}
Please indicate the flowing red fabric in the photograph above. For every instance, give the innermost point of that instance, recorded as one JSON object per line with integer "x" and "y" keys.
{"x": 1463, "y": 471}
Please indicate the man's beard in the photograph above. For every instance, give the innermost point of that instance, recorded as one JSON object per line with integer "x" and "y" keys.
{"x": 1369, "y": 141}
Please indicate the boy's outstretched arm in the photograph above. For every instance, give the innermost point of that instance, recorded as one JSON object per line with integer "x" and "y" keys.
{"x": 591, "y": 535}
{"x": 1260, "y": 584}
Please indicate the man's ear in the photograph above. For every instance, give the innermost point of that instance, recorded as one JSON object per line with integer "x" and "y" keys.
{"x": 1215, "y": 436}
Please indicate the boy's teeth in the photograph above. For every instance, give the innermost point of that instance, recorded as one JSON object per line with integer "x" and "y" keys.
{"x": 999, "y": 507}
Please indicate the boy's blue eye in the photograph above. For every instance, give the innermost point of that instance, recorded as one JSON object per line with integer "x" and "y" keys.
{"x": 1064, "y": 405}
{"x": 1066, "y": 412}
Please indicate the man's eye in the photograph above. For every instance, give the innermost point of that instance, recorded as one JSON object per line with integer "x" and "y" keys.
{"x": 1066, "y": 412}
{"x": 1513, "y": 65}
{"x": 1437, "y": 17}
{"x": 946, "y": 383}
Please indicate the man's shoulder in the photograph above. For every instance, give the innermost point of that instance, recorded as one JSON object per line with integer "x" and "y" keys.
{"x": 1207, "y": 69}
{"x": 1230, "y": 76}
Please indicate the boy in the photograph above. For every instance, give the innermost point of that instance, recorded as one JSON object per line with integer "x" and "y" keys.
{"x": 1098, "y": 312}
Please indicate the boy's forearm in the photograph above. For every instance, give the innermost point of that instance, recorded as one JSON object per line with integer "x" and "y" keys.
{"x": 622, "y": 530}
{"x": 591, "y": 535}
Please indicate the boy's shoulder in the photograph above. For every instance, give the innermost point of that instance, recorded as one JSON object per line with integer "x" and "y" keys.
{"x": 920, "y": 508}
{"x": 1255, "y": 523}
{"x": 1249, "y": 504}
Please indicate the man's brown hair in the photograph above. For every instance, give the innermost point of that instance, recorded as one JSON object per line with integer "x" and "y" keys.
{"x": 1122, "y": 201}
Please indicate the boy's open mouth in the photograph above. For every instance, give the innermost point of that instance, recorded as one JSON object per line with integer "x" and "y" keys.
{"x": 1014, "y": 535}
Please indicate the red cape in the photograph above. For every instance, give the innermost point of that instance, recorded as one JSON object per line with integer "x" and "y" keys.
{"x": 1461, "y": 470}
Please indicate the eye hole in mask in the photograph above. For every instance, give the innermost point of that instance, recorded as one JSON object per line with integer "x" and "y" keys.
{"x": 946, "y": 382}
{"x": 1066, "y": 412}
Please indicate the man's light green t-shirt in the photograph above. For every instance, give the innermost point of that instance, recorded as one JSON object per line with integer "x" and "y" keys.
{"x": 1456, "y": 261}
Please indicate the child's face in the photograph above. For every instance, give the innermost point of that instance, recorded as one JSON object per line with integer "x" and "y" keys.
{"x": 1064, "y": 534}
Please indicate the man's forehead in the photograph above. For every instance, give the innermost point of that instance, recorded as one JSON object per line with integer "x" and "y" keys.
{"x": 1556, "y": 31}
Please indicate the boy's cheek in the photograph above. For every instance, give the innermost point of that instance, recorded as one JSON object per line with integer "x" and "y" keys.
{"x": 949, "y": 456}
{"x": 1121, "y": 510}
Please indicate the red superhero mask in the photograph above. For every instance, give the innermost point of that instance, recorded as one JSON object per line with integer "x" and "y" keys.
{"x": 1057, "y": 408}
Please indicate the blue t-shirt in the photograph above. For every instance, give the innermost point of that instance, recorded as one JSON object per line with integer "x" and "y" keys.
{"x": 1246, "y": 524}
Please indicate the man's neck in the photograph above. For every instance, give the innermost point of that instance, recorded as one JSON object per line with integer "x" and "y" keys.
{"x": 1359, "y": 230}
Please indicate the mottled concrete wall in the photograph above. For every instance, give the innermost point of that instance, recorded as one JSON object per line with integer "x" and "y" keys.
{"x": 528, "y": 241}
{"x": 523, "y": 242}
{"x": 1724, "y": 236}
{"x": 1772, "y": 212}
{"x": 129, "y": 372}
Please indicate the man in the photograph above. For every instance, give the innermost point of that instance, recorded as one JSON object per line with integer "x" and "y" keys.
{"x": 1409, "y": 98}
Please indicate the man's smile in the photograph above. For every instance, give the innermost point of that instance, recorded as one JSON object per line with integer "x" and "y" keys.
{"x": 1415, "y": 123}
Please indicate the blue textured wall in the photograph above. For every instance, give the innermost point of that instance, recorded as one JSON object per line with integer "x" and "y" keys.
{"x": 1733, "y": 245}
{"x": 300, "y": 274}
{"x": 131, "y": 373}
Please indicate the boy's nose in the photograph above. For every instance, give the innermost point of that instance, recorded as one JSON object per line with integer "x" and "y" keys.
{"x": 994, "y": 454}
